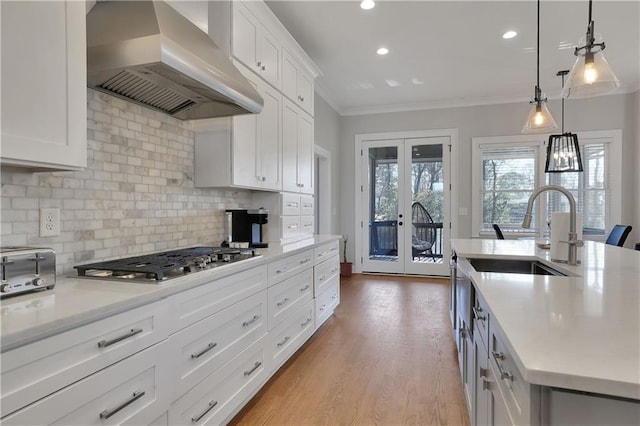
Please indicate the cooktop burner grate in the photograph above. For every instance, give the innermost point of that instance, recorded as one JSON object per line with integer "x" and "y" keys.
{"x": 161, "y": 266}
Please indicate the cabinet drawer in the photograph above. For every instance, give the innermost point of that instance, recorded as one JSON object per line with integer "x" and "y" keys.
{"x": 207, "y": 345}
{"x": 325, "y": 274}
{"x": 326, "y": 303}
{"x": 325, "y": 251}
{"x": 200, "y": 302}
{"x": 291, "y": 204}
{"x": 516, "y": 392}
{"x": 285, "y": 268}
{"x": 41, "y": 368}
{"x": 481, "y": 318}
{"x": 290, "y": 227}
{"x": 289, "y": 335}
{"x": 307, "y": 225}
{"x": 289, "y": 295}
{"x": 132, "y": 391}
{"x": 306, "y": 206}
{"x": 218, "y": 395}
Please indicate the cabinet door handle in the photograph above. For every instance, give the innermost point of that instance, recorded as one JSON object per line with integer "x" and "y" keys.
{"x": 476, "y": 314}
{"x": 105, "y": 343}
{"x": 251, "y": 321}
{"x": 483, "y": 372}
{"x": 108, "y": 413}
{"x": 254, "y": 368}
{"x": 283, "y": 301}
{"x": 305, "y": 288}
{"x": 306, "y": 322}
{"x": 286, "y": 339}
{"x": 204, "y": 351}
{"x": 259, "y": 64}
{"x": 196, "y": 419}
{"x": 503, "y": 374}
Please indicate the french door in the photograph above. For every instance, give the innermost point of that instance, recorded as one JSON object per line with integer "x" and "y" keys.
{"x": 405, "y": 199}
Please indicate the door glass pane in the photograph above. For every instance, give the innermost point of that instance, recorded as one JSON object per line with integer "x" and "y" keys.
{"x": 383, "y": 204}
{"x": 427, "y": 198}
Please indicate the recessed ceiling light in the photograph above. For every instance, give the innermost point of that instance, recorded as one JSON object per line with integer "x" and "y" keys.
{"x": 417, "y": 81}
{"x": 367, "y": 4}
{"x": 382, "y": 51}
{"x": 392, "y": 83}
{"x": 509, "y": 34}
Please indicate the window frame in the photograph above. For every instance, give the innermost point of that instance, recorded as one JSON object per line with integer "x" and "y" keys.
{"x": 613, "y": 159}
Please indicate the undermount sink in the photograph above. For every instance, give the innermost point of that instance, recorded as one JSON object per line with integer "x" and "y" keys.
{"x": 513, "y": 266}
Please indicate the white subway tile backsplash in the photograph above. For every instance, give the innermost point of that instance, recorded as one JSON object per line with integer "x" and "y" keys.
{"x": 136, "y": 196}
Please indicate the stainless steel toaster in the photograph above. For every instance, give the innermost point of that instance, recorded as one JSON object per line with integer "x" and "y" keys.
{"x": 26, "y": 269}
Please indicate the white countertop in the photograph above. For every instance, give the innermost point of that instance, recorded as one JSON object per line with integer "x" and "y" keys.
{"x": 77, "y": 301}
{"x": 580, "y": 332}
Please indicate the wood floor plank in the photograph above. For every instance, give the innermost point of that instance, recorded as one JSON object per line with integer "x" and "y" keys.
{"x": 386, "y": 357}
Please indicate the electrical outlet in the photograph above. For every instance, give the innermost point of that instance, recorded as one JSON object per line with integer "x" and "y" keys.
{"x": 49, "y": 222}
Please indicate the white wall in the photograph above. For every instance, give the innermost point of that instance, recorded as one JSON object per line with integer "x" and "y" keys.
{"x": 606, "y": 112}
{"x": 327, "y": 136}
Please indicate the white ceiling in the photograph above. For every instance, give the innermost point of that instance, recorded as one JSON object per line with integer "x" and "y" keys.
{"x": 454, "y": 48}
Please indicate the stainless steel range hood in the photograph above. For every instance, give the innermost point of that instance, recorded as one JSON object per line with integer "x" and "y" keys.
{"x": 147, "y": 53}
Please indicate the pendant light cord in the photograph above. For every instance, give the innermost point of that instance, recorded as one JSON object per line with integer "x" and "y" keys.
{"x": 538, "y": 55}
{"x": 590, "y": 6}
{"x": 561, "y": 97}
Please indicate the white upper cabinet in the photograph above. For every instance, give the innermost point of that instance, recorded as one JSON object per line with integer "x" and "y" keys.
{"x": 44, "y": 85}
{"x": 243, "y": 151}
{"x": 253, "y": 45}
{"x": 297, "y": 149}
{"x": 297, "y": 84}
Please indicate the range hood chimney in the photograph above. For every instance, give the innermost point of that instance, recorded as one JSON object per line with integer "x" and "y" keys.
{"x": 147, "y": 53}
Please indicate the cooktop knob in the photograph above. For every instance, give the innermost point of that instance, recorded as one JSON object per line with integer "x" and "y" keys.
{"x": 4, "y": 288}
{"x": 37, "y": 282}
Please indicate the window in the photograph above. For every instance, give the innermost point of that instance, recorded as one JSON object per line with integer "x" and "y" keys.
{"x": 507, "y": 169}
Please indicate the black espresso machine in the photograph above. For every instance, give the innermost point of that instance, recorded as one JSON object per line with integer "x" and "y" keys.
{"x": 245, "y": 226}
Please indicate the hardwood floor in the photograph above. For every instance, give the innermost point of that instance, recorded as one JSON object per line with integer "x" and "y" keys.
{"x": 387, "y": 357}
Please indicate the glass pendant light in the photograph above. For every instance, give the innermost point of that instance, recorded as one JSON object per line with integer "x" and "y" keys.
{"x": 539, "y": 118}
{"x": 591, "y": 74}
{"x": 563, "y": 151}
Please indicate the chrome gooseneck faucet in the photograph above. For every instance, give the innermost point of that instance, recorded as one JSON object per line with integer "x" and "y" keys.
{"x": 573, "y": 242}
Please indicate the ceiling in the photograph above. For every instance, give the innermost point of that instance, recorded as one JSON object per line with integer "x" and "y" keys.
{"x": 451, "y": 53}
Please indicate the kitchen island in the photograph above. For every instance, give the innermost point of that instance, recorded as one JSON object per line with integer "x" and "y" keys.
{"x": 188, "y": 350}
{"x": 579, "y": 332}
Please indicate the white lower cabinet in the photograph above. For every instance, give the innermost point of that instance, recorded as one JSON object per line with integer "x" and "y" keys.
{"x": 209, "y": 344}
{"x": 287, "y": 296}
{"x": 289, "y": 335}
{"x": 133, "y": 391}
{"x": 218, "y": 396}
{"x": 41, "y": 368}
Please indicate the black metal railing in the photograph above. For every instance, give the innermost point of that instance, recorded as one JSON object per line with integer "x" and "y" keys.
{"x": 383, "y": 237}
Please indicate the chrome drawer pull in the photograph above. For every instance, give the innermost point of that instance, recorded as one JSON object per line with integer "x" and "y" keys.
{"x": 292, "y": 204}
{"x": 476, "y": 314}
{"x": 503, "y": 374}
{"x": 197, "y": 418}
{"x": 306, "y": 322}
{"x": 281, "y": 270}
{"x": 305, "y": 288}
{"x": 324, "y": 253}
{"x": 334, "y": 297}
{"x": 334, "y": 270}
{"x": 486, "y": 385}
{"x": 306, "y": 260}
{"x": 322, "y": 278}
{"x": 286, "y": 339}
{"x": 105, "y": 343}
{"x": 108, "y": 413}
{"x": 204, "y": 351}
{"x": 254, "y": 368}
{"x": 251, "y": 321}
{"x": 322, "y": 308}
{"x": 285, "y": 300}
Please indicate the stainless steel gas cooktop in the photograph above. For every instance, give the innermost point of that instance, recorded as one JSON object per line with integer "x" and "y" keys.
{"x": 158, "y": 267}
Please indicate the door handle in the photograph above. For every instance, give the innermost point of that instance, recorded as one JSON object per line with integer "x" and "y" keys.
{"x": 399, "y": 223}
